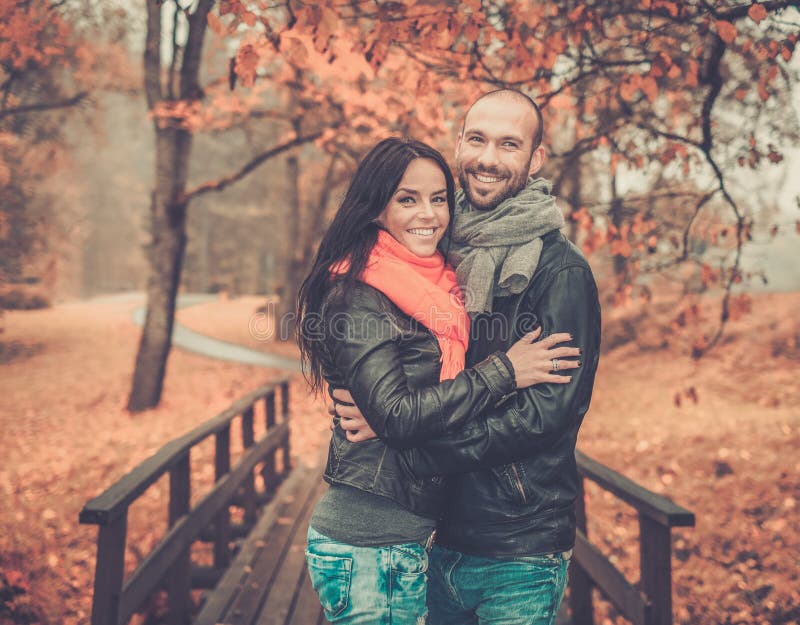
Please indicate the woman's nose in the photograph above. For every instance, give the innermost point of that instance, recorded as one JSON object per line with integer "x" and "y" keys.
{"x": 426, "y": 210}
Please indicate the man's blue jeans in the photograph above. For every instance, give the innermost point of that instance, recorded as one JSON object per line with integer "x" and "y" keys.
{"x": 472, "y": 590}
{"x": 368, "y": 585}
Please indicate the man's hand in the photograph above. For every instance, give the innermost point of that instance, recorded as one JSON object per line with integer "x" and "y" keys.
{"x": 350, "y": 418}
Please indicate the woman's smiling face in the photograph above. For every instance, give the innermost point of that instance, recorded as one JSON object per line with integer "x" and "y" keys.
{"x": 417, "y": 214}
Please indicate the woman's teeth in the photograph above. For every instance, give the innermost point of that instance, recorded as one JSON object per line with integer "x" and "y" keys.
{"x": 424, "y": 232}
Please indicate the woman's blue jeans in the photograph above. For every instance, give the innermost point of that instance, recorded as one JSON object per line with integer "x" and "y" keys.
{"x": 368, "y": 585}
{"x": 472, "y": 590}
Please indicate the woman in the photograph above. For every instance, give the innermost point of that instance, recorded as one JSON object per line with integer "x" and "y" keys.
{"x": 381, "y": 314}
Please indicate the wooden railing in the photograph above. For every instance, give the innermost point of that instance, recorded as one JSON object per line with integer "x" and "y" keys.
{"x": 169, "y": 565}
{"x": 651, "y": 602}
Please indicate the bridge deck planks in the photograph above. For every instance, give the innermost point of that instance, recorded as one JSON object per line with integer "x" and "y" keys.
{"x": 267, "y": 584}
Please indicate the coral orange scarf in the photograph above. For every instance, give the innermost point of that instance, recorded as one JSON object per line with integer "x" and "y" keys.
{"x": 424, "y": 288}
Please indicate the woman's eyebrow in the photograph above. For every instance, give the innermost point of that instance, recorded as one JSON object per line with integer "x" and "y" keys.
{"x": 406, "y": 190}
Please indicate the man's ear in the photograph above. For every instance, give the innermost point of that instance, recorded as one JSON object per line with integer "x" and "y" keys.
{"x": 458, "y": 144}
{"x": 537, "y": 160}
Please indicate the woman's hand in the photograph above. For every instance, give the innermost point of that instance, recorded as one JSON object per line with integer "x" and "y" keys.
{"x": 351, "y": 420}
{"x": 535, "y": 362}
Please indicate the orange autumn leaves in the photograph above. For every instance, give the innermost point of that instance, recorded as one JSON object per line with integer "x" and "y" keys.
{"x": 467, "y": 42}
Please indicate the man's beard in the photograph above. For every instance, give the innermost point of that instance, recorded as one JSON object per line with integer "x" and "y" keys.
{"x": 514, "y": 185}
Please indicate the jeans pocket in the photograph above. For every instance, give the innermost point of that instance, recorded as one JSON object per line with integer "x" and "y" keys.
{"x": 410, "y": 558}
{"x": 330, "y": 576}
{"x": 409, "y": 583}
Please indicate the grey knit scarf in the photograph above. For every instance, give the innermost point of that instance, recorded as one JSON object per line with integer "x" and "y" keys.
{"x": 495, "y": 252}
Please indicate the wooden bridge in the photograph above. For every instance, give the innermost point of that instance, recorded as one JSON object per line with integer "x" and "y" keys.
{"x": 258, "y": 575}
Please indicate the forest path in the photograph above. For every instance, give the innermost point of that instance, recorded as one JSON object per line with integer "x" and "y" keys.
{"x": 208, "y": 346}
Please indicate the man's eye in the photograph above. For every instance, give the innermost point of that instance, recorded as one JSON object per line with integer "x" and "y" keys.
{"x": 510, "y": 144}
{"x": 475, "y": 140}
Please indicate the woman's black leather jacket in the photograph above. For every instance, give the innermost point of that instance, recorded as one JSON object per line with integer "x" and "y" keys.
{"x": 390, "y": 363}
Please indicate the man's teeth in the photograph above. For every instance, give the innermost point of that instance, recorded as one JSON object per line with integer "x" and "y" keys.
{"x": 425, "y": 232}
{"x": 482, "y": 178}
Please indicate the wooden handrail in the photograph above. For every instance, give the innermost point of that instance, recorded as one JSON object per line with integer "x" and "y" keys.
{"x": 115, "y": 500}
{"x": 169, "y": 564}
{"x": 651, "y": 602}
{"x": 181, "y": 536}
{"x": 646, "y": 502}
{"x": 647, "y": 603}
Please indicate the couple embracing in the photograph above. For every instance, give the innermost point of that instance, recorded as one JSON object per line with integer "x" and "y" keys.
{"x": 458, "y": 332}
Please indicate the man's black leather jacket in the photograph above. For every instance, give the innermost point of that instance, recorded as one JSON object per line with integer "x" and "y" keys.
{"x": 517, "y": 484}
{"x": 390, "y": 364}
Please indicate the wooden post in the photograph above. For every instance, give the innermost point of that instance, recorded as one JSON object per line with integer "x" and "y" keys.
{"x": 268, "y": 470}
{"x": 109, "y": 571}
{"x": 655, "y": 565}
{"x": 179, "y": 579}
{"x": 580, "y": 584}
{"x": 287, "y": 462}
{"x": 249, "y": 486}
{"x": 222, "y": 522}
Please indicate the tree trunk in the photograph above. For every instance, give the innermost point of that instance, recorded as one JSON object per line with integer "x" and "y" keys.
{"x": 570, "y": 191}
{"x": 568, "y": 185}
{"x": 167, "y": 208}
{"x": 168, "y": 220}
{"x": 617, "y": 219}
{"x": 170, "y": 199}
{"x": 285, "y": 321}
{"x": 304, "y": 235}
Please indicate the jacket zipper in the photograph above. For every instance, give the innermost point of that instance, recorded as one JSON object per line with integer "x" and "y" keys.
{"x": 519, "y": 483}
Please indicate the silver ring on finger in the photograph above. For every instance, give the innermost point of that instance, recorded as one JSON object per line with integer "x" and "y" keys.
{"x": 555, "y": 364}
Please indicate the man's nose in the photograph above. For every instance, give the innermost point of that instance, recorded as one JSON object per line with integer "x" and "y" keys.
{"x": 488, "y": 156}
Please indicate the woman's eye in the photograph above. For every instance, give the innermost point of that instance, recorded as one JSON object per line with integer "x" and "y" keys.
{"x": 439, "y": 200}
{"x": 406, "y": 200}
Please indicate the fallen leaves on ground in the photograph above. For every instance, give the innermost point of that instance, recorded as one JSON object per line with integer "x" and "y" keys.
{"x": 725, "y": 451}
{"x": 67, "y": 436}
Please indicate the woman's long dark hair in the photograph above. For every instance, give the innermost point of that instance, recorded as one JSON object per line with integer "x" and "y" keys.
{"x": 352, "y": 235}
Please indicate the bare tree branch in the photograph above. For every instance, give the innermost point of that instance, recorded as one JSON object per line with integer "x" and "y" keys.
{"x": 219, "y": 185}
{"x": 741, "y": 11}
{"x": 44, "y": 106}
{"x": 688, "y": 229}
{"x": 268, "y": 114}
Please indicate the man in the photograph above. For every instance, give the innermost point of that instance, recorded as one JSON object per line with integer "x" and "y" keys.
{"x": 502, "y": 550}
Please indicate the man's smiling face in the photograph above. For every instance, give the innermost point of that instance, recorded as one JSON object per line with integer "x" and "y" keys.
{"x": 494, "y": 153}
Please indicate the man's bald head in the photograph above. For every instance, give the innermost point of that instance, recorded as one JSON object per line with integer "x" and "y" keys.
{"x": 512, "y": 95}
{"x": 498, "y": 147}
